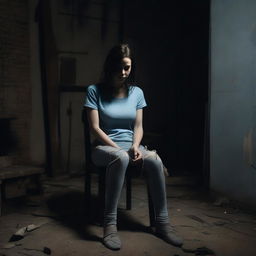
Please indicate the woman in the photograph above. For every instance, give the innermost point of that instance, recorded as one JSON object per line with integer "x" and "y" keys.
{"x": 115, "y": 111}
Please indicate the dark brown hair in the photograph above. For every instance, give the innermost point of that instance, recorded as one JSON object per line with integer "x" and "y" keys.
{"x": 112, "y": 65}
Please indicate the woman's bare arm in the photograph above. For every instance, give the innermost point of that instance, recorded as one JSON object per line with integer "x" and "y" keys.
{"x": 137, "y": 136}
{"x": 93, "y": 119}
{"x": 138, "y": 128}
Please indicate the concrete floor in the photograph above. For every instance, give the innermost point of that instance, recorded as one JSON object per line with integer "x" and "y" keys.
{"x": 62, "y": 227}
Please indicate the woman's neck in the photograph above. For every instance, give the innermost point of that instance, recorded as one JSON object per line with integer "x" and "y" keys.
{"x": 114, "y": 90}
{"x": 119, "y": 92}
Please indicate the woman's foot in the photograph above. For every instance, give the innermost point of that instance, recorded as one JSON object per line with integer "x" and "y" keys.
{"x": 111, "y": 239}
{"x": 168, "y": 234}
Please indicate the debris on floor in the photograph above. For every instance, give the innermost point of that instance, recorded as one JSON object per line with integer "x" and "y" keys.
{"x": 10, "y": 245}
{"x": 222, "y": 201}
{"x": 203, "y": 251}
{"x": 18, "y": 235}
{"x": 45, "y": 250}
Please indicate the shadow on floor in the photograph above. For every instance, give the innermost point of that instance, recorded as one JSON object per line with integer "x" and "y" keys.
{"x": 68, "y": 208}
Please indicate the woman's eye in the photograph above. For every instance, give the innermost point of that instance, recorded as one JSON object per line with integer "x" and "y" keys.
{"x": 126, "y": 68}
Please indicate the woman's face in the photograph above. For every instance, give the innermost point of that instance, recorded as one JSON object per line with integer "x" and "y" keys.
{"x": 123, "y": 71}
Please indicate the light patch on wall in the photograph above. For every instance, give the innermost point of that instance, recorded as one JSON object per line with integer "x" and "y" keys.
{"x": 249, "y": 148}
{"x": 254, "y": 138}
{"x": 254, "y": 148}
{"x": 253, "y": 35}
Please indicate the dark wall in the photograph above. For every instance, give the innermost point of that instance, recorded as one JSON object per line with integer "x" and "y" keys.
{"x": 170, "y": 39}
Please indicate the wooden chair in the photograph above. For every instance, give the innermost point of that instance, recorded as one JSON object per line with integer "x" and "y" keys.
{"x": 91, "y": 168}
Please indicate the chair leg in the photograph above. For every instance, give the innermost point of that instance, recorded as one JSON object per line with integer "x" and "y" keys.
{"x": 152, "y": 217}
{"x": 87, "y": 189}
{"x": 128, "y": 192}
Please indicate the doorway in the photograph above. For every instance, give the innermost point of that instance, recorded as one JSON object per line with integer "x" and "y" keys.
{"x": 171, "y": 43}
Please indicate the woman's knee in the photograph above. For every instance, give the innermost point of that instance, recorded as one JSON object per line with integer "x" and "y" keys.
{"x": 104, "y": 155}
{"x": 118, "y": 156}
{"x": 152, "y": 159}
{"x": 122, "y": 157}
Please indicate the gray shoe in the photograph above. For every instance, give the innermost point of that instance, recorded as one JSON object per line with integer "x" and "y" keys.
{"x": 168, "y": 234}
{"x": 111, "y": 239}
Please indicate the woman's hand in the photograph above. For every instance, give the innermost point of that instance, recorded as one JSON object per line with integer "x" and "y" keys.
{"x": 135, "y": 153}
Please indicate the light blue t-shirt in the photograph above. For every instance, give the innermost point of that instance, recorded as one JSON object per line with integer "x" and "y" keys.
{"x": 116, "y": 116}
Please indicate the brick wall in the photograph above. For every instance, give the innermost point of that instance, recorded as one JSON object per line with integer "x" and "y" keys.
{"x": 15, "y": 88}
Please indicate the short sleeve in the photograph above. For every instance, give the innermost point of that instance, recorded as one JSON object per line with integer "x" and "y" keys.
{"x": 91, "y": 98}
{"x": 141, "y": 103}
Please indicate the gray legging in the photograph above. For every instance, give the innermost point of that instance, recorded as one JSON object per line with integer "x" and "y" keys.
{"x": 117, "y": 160}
